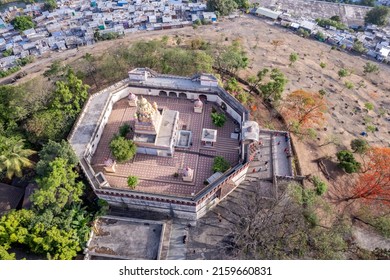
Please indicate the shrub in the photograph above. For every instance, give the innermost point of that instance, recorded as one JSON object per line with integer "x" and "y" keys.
{"x": 219, "y": 119}
{"x": 322, "y": 65}
{"x": 347, "y": 161}
{"x": 319, "y": 185}
{"x": 382, "y": 224}
{"x": 132, "y": 181}
{"x": 220, "y": 164}
{"x": 359, "y": 145}
{"x": 343, "y": 73}
{"x": 122, "y": 149}
{"x": 370, "y": 68}
{"x": 369, "y": 106}
{"x": 124, "y": 129}
{"x": 311, "y": 218}
{"x": 370, "y": 128}
{"x": 242, "y": 97}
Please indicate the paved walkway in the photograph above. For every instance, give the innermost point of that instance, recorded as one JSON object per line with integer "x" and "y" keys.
{"x": 282, "y": 154}
{"x": 177, "y": 248}
{"x": 261, "y": 166}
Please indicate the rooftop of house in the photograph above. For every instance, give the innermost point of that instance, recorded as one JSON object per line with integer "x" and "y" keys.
{"x": 10, "y": 197}
{"x": 125, "y": 238}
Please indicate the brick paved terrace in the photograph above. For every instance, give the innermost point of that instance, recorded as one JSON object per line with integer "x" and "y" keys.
{"x": 156, "y": 174}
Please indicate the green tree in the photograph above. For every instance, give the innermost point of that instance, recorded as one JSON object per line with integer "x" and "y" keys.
{"x": 347, "y": 161}
{"x": 242, "y": 97}
{"x": 293, "y": 58}
{"x": 243, "y": 4}
{"x": 69, "y": 96}
{"x": 319, "y": 185}
{"x": 232, "y": 86}
{"x": 58, "y": 187}
{"x": 22, "y": 23}
{"x": 14, "y": 227}
{"x": 369, "y": 106}
{"x": 378, "y": 15}
{"x": 122, "y": 149}
{"x": 222, "y": 7}
{"x": 4, "y": 255}
{"x": 218, "y": 119}
{"x": 370, "y": 68}
{"x": 8, "y": 52}
{"x": 124, "y": 130}
{"x": 132, "y": 181}
{"x": 320, "y": 36}
{"x": 47, "y": 125}
{"x": 90, "y": 59}
{"x": 220, "y": 164}
{"x": 54, "y": 69}
{"x": 304, "y": 33}
{"x": 359, "y": 47}
{"x": 231, "y": 58}
{"x": 359, "y": 145}
{"x": 343, "y": 73}
{"x": 274, "y": 88}
{"x": 348, "y": 85}
{"x": 254, "y": 81}
{"x": 370, "y": 3}
{"x": 50, "y": 5}
{"x": 14, "y": 156}
{"x": 322, "y": 65}
{"x": 53, "y": 150}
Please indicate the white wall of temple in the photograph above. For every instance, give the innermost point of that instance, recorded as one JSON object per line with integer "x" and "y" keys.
{"x": 190, "y": 95}
{"x": 240, "y": 176}
{"x": 179, "y": 211}
{"x": 92, "y": 146}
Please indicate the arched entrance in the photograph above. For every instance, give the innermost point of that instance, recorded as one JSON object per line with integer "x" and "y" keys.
{"x": 162, "y": 93}
{"x": 202, "y": 97}
{"x": 172, "y": 94}
{"x": 183, "y": 95}
{"x": 223, "y": 106}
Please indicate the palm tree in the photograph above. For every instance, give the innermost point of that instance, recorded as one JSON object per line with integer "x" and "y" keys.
{"x": 14, "y": 157}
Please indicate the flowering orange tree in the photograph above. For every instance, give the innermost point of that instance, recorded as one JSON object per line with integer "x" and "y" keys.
{"x": 304, "y": 109}
{"x": 373, "y": 184}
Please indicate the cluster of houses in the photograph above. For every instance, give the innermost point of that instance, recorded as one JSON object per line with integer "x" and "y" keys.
{"x": 375, "y": 40}
{"x": 77, "y": 22}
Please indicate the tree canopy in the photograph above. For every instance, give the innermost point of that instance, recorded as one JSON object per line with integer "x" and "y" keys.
{"x": 359, "y": 145}
{"x": 220, "y": 164}
{"x": 304, "y": 108}
{"x": 378, "y": 15}
{"x": 231, "y": 58}
{"x": 274, "y": 88}
{"x": 14, "y": 157}
{"x": 373, "y": 185}
{"x": 22, "y": 23}
{"x": 122, "y": 149}
{"x": 348, "y": 162}
{"x": 222, "y": 7}
{"x": 58, "y": 187}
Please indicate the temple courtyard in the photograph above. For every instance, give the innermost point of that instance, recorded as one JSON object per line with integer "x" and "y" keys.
{"x": 158, "y": 174}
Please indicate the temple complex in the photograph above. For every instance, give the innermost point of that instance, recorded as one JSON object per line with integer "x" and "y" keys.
{"x": 170, "y": 122}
